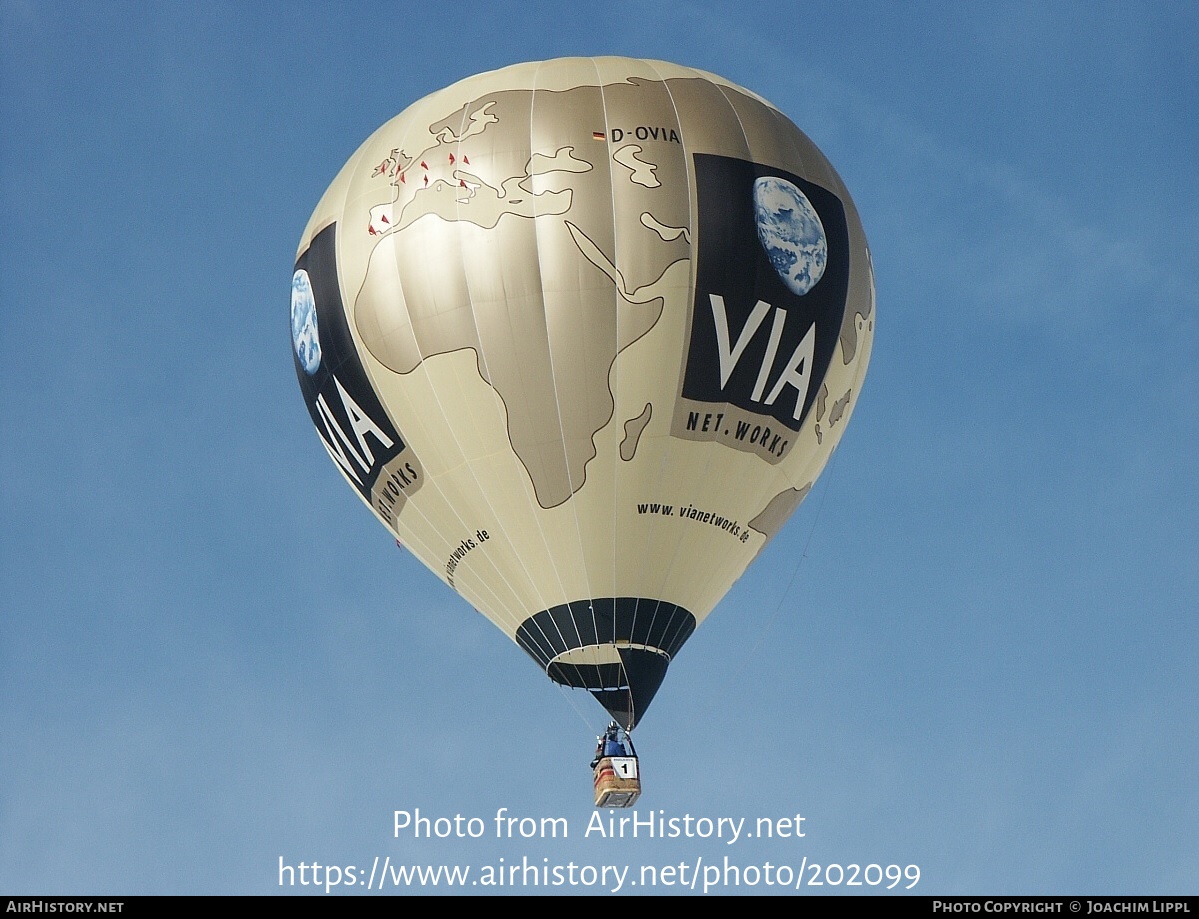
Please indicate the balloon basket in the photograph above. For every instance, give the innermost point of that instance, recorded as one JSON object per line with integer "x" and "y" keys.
{"x": 617, "y": 781}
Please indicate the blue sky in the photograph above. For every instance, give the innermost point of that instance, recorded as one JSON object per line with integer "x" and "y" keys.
{"x": 971, "y": 650}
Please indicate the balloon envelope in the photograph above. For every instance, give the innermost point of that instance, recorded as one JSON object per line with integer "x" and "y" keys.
{"x": 582, "y": 333}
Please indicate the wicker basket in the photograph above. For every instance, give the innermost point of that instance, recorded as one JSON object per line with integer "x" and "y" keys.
{"x": 617, "y": 781}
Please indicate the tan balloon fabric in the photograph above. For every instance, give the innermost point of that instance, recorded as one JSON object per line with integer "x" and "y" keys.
{"x": 617, "y": 313}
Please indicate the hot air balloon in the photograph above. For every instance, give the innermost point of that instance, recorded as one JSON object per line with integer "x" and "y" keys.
{"x": 582, "y": 334}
